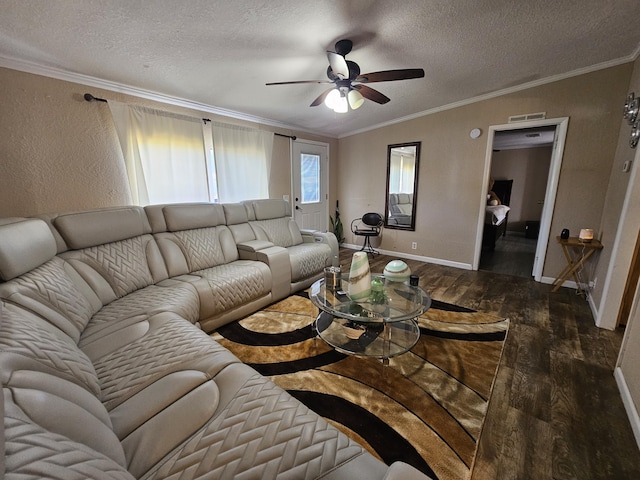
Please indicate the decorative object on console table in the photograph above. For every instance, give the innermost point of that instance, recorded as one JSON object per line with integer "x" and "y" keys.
{"x": 586, "y": 235}
{"x": 359, "y": 277}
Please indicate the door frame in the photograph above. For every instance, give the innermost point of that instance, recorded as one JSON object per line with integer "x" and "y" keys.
{"x": 557, "y": 152}
{"x": 325, "y": 179}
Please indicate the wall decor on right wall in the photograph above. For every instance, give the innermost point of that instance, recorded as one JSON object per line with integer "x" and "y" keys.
{"x": 631, "y": 109}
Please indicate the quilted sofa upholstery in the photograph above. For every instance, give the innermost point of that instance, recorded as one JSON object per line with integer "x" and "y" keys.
{"x": 106, "y": 373}
{"x": 400, "y": 208}
{"x": 271, "y": 221}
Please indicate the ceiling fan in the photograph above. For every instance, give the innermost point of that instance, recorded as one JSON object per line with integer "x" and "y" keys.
{"x": 348, "y": 88}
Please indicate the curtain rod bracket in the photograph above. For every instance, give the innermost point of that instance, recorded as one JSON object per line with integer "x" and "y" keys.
{"x": 90, "y": 98}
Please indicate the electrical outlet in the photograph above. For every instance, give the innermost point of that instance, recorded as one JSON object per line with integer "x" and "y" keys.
{"x": 414, "y": 245}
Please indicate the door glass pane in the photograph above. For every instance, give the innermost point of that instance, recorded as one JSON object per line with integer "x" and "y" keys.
{"x": 310, "y": 178}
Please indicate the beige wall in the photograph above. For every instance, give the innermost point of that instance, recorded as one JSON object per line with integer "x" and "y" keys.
{"x": 59, "y": 152}
{"x": 623, "y": 197}
{"x": 617, "y": 188}
{"x": 452, "y": 164}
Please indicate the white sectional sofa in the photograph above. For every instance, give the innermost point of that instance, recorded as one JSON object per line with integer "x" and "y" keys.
{"x": 106, "y": 370}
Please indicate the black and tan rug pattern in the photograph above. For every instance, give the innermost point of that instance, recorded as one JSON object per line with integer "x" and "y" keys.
{"x": 426, "y": 408}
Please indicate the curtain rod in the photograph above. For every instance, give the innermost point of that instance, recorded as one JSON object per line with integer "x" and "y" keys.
{"x": 90, "y": 98}
{"x": 292, "y": 137}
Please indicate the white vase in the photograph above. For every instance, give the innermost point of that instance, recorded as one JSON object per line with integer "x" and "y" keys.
{"x": 359, "y": 277}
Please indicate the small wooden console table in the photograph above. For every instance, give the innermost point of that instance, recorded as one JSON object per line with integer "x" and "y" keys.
{"x": 583, "y": 250}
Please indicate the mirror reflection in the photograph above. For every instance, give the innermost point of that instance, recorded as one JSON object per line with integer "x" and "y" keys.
{"x": 402, "y": 185}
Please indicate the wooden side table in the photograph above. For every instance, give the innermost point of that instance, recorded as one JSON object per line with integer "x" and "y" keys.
{"x": 582, "y": 252}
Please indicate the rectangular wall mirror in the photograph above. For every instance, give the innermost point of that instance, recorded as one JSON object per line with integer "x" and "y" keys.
{"x": 403, "y": 160}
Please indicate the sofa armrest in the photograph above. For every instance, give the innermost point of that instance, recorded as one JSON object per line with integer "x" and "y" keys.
{"x": 316, "y": 236}
{"x": 277, "y": 258}
{"x": 248, "y": 250}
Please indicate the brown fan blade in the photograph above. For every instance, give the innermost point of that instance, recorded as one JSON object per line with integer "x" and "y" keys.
{"x": 390, "y": 75}
{"x": 338, "y": 64}
{"x": 298, "y": 82}
{"x": 371, "y": 94}
{"x": 321, "y": 98}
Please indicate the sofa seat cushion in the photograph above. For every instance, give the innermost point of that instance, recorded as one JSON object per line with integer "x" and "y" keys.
{"x": 232, "y": 285}
{"x": 261, "y": 431}
{"x": 134, "y": 357}
{"x": 167, "y": 296}
{"x": 308, "y": 260}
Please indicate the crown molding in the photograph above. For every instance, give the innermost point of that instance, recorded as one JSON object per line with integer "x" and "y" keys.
{"x": 86, "y": 80}
{"x": 89, "y": 81}
{"x": 505, "y": 91}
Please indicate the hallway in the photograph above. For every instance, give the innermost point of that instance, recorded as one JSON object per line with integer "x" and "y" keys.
{"x": 514, "y": 255}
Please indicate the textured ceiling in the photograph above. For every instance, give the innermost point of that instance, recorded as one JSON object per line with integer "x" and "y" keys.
{"x": 220, "y": 53}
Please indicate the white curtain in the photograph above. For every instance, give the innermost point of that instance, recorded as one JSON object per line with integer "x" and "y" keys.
{"x": 242, "y": 159}
{"x": 164, "y": 155}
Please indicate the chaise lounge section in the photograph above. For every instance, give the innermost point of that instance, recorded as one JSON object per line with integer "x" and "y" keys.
{"x": 106, "y": 373}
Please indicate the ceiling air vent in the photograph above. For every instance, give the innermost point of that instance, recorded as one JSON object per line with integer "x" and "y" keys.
{"x": 528, "y": 116}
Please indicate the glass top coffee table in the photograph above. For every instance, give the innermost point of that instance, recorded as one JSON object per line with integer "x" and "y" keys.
{"x": 383, "y": 326}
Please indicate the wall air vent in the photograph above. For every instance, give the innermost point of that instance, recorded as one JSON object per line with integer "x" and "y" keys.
{"x": 527, "y": 117}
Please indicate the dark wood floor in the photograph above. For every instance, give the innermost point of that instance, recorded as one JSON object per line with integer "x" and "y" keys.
{"x": 555, "y": 411}
{"x": 513, "y": 255}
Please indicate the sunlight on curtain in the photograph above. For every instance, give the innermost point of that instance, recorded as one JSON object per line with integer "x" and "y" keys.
{"x": 242, "y": 159}
{"x": 164, "y": 155}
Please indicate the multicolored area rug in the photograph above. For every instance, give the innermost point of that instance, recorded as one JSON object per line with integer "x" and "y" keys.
{"x": 425, "y": 408}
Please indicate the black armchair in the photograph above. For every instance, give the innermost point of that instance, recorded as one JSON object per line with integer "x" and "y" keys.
{"x": 367, "y": 226}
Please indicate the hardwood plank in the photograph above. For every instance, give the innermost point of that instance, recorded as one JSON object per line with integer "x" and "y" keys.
{"x": 555, "y": 410}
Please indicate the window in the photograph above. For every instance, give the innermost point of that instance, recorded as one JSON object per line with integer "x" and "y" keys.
{"x": 172, "y": 158}
{"x": 310, "y": 178}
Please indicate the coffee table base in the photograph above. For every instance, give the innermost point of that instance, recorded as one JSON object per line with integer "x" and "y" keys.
{"x": 379, "y": 340}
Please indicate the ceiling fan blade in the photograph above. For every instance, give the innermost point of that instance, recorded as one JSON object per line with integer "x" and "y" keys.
{"x": 297, "y": 82}
{"x": 338, "y": 64}
{"x": 354, "y": 70}
{"x": 390, "y": 75}
{"x": 371, "y": 94}
{"x": 321, "y": 98}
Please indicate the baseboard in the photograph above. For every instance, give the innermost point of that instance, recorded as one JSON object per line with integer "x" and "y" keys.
{"x": 629, "y": 405}
{"x": 436, "y": 261}
{"x": 567, "y": 283}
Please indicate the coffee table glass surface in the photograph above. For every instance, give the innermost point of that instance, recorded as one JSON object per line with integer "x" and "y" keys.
{"x": 382, "y": 326}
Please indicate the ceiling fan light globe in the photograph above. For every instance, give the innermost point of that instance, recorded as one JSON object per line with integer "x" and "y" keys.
{"x": 355, "y": 99}
{"x": 332, "y": 98}
{"x": 341, "y": 106}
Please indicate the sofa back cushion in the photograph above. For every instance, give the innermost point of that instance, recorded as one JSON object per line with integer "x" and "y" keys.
{"x": 56, "y": 293}
{"x": 273, "y": 222}
{"x": 237, "y": 218}
{"x": 192, "y": 237}
{"x": 96, "y": 227}
{"x": 114, "y": 251}
{"x": 25, "y": 335}
{"x": 24, "y": 245}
